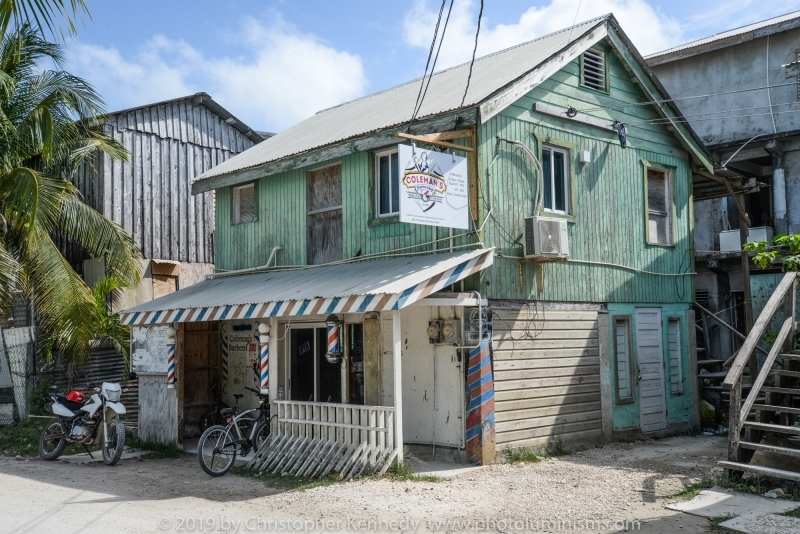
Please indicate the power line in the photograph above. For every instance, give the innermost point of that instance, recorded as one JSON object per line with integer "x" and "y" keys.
{"x": 474, "y": 50}
{"x": 423, "y": 92}
{"x": 638, "y": 104}
{"x": 656, "y": 121}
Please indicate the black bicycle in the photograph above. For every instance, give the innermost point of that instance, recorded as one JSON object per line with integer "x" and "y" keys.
{"x": 215, "y": 417}
{"x": 219, "y": 445}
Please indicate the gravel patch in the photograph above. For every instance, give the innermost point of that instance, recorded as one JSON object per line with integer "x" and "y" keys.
{"x": 618, "y": 482}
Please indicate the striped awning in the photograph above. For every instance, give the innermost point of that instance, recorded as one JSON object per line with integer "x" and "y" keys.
{"x": 378, "y": 285}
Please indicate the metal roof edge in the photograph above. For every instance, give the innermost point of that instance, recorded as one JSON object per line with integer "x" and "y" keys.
{"x": 202, "y": 98}
{"x": 202, "y": 184}
{"x": 735, "y": 36}
{"x": 703, "y": 155}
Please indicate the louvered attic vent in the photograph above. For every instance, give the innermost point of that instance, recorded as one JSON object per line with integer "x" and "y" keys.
{"x": 594, "y": 69}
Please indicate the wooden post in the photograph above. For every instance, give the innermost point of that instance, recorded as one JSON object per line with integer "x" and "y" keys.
{"x": 744, "y": 232}
{"x": 606, "y": 376}
{"x": 733, "y": 421}
{"x": 694, "y": 387}
{"x": 397, "y": 346}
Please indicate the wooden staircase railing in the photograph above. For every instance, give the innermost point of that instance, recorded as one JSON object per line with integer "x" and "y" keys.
{"x": 739, "y": 456}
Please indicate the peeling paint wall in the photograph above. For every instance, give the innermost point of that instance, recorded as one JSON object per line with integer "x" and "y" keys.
{"x": 679, "y": 407}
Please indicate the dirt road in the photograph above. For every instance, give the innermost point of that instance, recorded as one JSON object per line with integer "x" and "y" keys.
{"x": 592, "y": 491}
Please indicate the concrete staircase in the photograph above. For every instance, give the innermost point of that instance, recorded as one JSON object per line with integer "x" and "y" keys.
{"x": 764, "y": 411}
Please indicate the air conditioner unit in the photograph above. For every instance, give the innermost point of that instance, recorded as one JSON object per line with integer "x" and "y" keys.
{"x": 546, "y": 238}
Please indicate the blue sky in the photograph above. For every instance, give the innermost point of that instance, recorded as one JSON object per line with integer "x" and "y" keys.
{"x": 275, "y": 62}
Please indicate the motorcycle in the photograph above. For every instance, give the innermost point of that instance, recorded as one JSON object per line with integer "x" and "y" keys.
{"x": 85, "y": 421}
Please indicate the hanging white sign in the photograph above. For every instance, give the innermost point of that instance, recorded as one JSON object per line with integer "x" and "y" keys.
{"x": 433, "y": 188}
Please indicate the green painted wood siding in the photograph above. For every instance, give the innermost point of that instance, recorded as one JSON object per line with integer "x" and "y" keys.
{"x": 608, "y": 223}
{"x": 282, "y": 220}
{"x": 609, "y": 220}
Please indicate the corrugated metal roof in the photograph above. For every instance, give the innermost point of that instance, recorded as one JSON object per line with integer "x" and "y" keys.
{"x": 728, "y": 34}
{"x": 394, "y": 106}
{"x": 417, "y": 276}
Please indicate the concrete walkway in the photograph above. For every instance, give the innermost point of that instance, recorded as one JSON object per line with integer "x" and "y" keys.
{"x": 751, "y": 514}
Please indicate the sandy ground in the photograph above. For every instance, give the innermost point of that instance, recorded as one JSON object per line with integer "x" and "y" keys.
{"x": 618, "y": 482}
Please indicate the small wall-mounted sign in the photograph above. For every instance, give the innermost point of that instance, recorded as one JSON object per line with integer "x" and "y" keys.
{"x": 149, "y": 349}
{"x": 433, "y": 188}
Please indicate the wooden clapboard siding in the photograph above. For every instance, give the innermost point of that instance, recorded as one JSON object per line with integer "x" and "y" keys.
{"x": 609, "y": 222}
{"x": 282, "y": 220}
{"x": 149, "y": 195}
{"x": 546, "y": 376}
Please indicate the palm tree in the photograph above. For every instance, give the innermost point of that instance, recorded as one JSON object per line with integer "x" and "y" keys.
{"x": 41, "y": 14}
{"x": 46, "y": 134}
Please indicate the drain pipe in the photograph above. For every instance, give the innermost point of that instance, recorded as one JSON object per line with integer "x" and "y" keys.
{"x": 272, "y": 254}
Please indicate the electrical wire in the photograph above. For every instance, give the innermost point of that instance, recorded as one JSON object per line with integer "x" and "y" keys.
{"x": 639, "y": 104}
{"x": 474, "y": 50}
{"x": 428, "y": 62}
{"x": 418, "y": 106}
{"x": 663, "y": 121}
{"x": 706, "y": 113}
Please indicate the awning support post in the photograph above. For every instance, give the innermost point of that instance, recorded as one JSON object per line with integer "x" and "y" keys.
{"x": 397, "y": 346}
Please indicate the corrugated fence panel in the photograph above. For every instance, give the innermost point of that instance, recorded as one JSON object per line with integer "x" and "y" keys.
{"x": 546, "y": 377}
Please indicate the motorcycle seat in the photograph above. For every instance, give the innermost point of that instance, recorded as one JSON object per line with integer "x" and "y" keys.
{"x": 226, "y": 412}
{"x": 69, "y": 405}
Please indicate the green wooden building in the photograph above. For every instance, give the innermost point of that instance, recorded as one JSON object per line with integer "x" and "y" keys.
{"x": 576, "y": 264}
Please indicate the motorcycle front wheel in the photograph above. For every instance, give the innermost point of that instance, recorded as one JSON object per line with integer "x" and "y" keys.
{"x": 52, "y": 442}
{"x": 112, "y": 446}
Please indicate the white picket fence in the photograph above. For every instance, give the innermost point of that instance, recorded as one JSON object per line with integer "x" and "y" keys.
{"x": 315, "y": 439}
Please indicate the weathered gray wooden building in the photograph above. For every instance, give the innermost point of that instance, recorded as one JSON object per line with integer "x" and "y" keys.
{"x": 149, "y": 195}
{"x": 751, "y": 123}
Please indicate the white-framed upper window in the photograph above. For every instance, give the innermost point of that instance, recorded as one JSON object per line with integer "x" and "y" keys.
{"x": 387, "y": 184}
{"x": 555, "y": 164}
{"x": 659, "y": 207}
{"x": 244, "y": 204}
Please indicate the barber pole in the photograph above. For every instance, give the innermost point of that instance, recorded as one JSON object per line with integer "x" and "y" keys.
{"x": 171, "y": 357}
{"x": 263, "y": 338}
{"x": 333, "y": 338}
{"x": 224, "y": 341}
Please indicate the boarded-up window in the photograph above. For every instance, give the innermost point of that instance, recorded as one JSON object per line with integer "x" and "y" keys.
{"x": 659, "y": 207}
{"x": 324, "y": 220}
{"x": 623, "y": 359}
{"x": 594, "y": 69}
{"x": 244, "y": 204}
{"x": 675, "y": 374}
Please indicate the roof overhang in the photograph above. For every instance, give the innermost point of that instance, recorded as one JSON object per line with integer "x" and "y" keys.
{"x": 367, "y": 286}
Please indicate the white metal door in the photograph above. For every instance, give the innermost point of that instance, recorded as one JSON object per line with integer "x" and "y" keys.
{"x": 649, "y": 342}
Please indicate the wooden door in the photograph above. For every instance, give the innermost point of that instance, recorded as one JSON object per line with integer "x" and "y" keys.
{"x": 649, "y": 342}
{"x": 198, "y": 366}
{"x": 324, "y": 219}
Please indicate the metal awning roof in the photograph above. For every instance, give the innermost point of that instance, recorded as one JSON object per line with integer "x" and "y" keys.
{"x": 384, "y": 284}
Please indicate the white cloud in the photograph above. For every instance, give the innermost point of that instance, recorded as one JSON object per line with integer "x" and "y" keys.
{"x": 649, "y": 30}
{"x": 286, "y": 77}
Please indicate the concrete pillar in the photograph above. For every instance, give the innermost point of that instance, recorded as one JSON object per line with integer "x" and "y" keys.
{"x": 781, "y": 223}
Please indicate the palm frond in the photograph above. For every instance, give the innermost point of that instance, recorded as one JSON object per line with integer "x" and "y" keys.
{"x": 43, "y": 15}
{"x": 101, "y": 238}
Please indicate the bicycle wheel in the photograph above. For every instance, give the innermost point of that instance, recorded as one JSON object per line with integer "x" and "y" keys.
{"x": 216, "y": 451}
{"x": 262, "y": 435}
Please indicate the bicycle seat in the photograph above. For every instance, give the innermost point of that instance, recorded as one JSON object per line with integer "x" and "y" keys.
{"x": 238, "y": 396}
